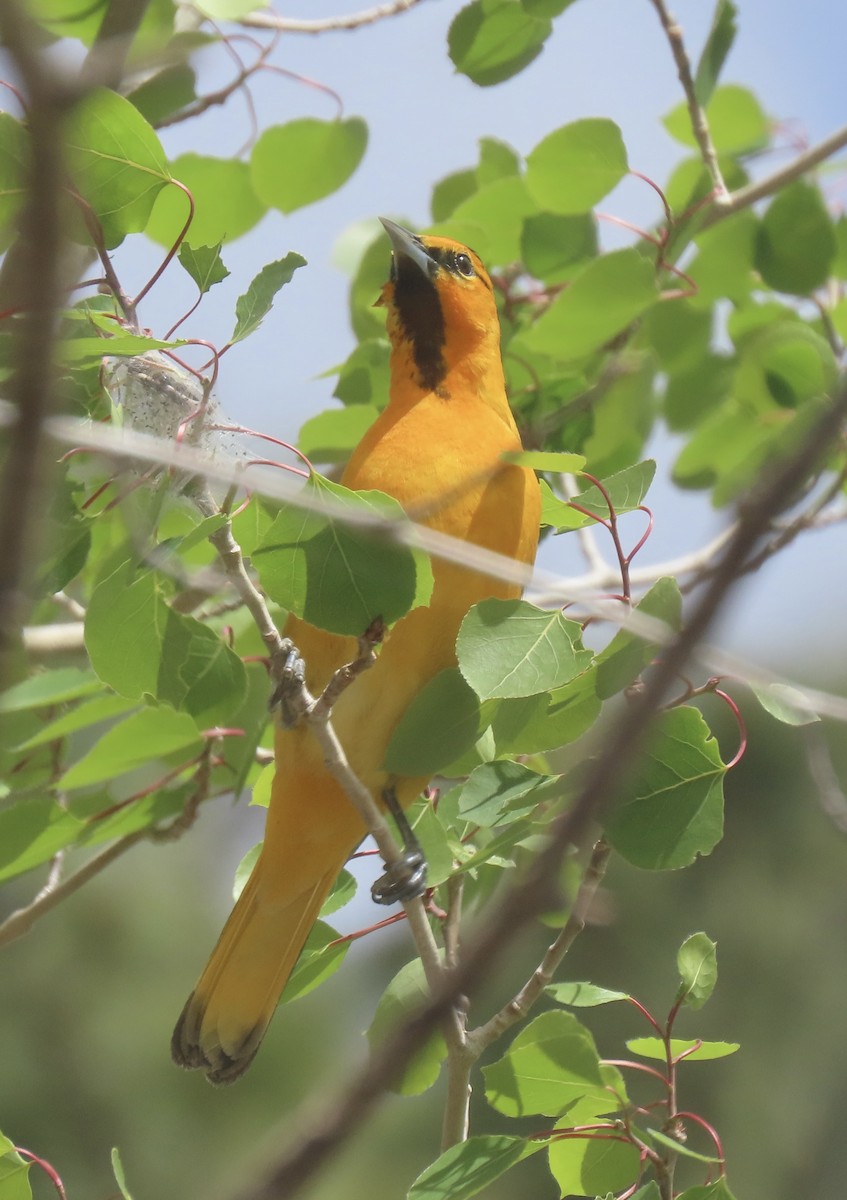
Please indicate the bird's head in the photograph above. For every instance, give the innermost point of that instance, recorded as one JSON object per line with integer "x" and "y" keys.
{"x": 440, "y": 303}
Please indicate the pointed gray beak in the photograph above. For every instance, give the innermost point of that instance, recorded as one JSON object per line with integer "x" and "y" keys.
{"x": 407, "y": 245}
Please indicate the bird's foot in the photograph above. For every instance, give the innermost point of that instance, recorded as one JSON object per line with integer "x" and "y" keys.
{"x": 403, "y": 880}
{"x": 288, "y": 702}
{"x": 406, "y": 878}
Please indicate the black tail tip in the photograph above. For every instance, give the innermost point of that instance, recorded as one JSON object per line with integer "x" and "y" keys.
{"x": 188, "y": 1052}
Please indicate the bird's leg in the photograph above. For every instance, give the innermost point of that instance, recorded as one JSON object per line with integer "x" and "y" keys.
{"x": 289, "y": 700}
{"x": 405, "y": 879}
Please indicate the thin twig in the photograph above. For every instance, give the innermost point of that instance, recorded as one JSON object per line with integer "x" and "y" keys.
{"x": 699, "y": 120}
{"x": 733, "y": 202}
{"x": 456, "y": 1117}
{"x": 480, "y": 1039}
{"x": 22, "y": 920}
{"x": 269, "y": 20}
{"x": 232, "y": 560}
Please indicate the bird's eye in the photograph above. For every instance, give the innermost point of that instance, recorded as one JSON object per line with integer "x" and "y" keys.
{"x": 464, "y": 265}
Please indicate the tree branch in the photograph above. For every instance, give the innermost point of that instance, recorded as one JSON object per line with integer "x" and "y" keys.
{"x": 699, "y": 120}
{"x": 270, "y": 20}
{"x": 729, "y": 203}
{"x": 23, "y": 489}
{"x": 480, "y": 1039}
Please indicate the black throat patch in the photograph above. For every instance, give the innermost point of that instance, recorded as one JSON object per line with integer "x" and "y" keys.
{"x": 422, "y": 319}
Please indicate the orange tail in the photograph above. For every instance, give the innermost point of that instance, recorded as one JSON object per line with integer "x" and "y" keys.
{"x": 226, "y": 1016}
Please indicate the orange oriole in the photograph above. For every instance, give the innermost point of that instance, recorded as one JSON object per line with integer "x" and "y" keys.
{"x": 447, "y": 420}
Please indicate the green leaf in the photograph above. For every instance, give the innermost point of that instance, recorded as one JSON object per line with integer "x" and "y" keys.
{"x": 14, "y": 1173}
{"x": 498, "y": 788}
{"x": 252, "y": 308}
{"x": 225, "y": 204}
{"x": 367, "y": 320}
{"x": 622, "y": 416}
{"x": 337, "y": 574}
{"x": 694, "y": 393}
{"x": 204, "y": 264}
{"x": 547, "y": 460}
{"x": 553, "y": 244}
{"x": 48, "y": 688}
{"x": 551, "y": 1064}
{"x": 343, "y": 891}
{"x": 435, "y": 843}
{"x": 140, "y": 647}
{"x": 546, "y": 8}
{"x": 442, "y": 722}
{"x": 467, "y": 1168}
{"x": 653, "y": 1047}
{"x": 671, "y": 811}
{"x": 497, "y": 160}
{"x": 626, "y": 656}
{"x": 582, "y": 995}
{"x": 593, "y": 1166}
{"x": 534, "y": 724}
{"x": 839, "y": 265}
{"x": 736, "y": 121}
{"x": 680, "y": 333}
{"x": 141, "y": 738}
{"x": 332, "y": 435}
{"x": 650, "y": 1192}
{"x": 626, "y": 489}
{"x": 296, "y": 164}
{"x": 494, "y": 217}
{"x": 319, "y": 960}
{"x": 697, "y": 963}
{"x": 680, "y": 1147}
{"x": 244, "y": 870}
{"x": 31, "y": 832}
{"x": 577, "y": 165}
{"x": 492, "y": 40}
{"x": 14, "y": 160}
{"x": 116, "y": 161}
{"x": 796, "y": 242}
{"x": 604, "y": 297}
{"x": 251, "y": 715}
{"x": 91, "y": 712}
{"x": 165, "y": 93}
{"x": 406, "y": 994}
{"x": 785, "y": 703}
{"x": 512, "y": 648}
{"x": 718, "y": 45}
{"x": 723, "y": 266}
{"x": 118, "y": 1172}
{"x": 77, "y": 351}
{"x": 450, "y": 191}
{"x": 66, "y": 18}
{"x": 364, "y": 378}
{"x": 719, "y": 1190}
{"x": 226, "y": 10}
{"x": 626, "y": 492}
{"x": 726, "y": 443}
